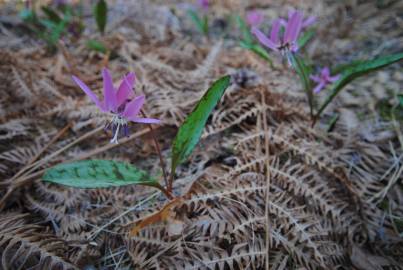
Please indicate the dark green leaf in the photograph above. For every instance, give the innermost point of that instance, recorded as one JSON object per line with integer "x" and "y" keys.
{"x": 191, "y": 130}
{"x": 96, "y": 46}
{"x": 358, "y": 70}
{"x": 205, "y": 25}
{"x": 303, "y": 72}
{"x": 201, "y": 23}
{"x": 51, "y": 14}
{"x": 400, "y": 98}
{"x": 100, "y": 14}
{"x": 244, "y": 29}
{"x": 307, "y": 36}
{"x": 332, "y": 122}
{"x": 257, "y": 49}
{"x": 339, "y": 68}
{"x": 97, "y": 174}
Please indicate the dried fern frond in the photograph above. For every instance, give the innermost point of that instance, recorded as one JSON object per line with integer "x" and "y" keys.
{"x": 25, "y": 246}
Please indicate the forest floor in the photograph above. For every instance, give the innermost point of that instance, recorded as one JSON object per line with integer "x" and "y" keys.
{"x": 336, "y": 196}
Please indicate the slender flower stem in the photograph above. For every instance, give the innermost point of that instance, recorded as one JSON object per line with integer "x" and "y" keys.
{"x": 158, "y": 149}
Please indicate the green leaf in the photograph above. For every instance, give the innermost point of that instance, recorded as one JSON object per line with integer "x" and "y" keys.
{"x": 400, "y": 98}
{"x": 307, "y": 36}
{"x": 303, "y": 72}
{"x": 96, "y": 46}
{"x": 191, "y": 130}
{"x": 201, "y": 23}
{"x": 246, "y": 34}
{"x": 51, "y": 14}
{"x": 357, "y": 70}
{"x": 97, "y": 174}
{"x": 28, "y": 15}
{"x": 339, "y": 68}
{"x": 259, "y": 50}
{"x": 100, "y": 14}
{"x": 205, "y": 25}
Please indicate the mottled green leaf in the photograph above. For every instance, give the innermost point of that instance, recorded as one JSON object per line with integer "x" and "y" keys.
{"x": 97, "y": 174}
{"x": 96, "y": 45}
{"x": 100, "y": 14}
{"x": 191, "y": 130}
{"x": 356, "y": 70}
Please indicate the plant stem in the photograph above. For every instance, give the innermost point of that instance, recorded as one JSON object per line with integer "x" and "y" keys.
{"x": 158, "y": 149}
{"x": 163, "y": 190}
{"x": 170, "y": 181}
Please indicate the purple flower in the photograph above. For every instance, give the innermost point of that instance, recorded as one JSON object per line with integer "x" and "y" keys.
{"x": 323, "y": 79}
{"x": 254, "y": 18}
{"x": 203, "y": 4}
{"x": 305, "y": 23}
{"x": 288, "y": 42}
{"x": 118, "y": 102}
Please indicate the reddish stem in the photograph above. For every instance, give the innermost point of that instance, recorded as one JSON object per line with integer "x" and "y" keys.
{"x": 158, "y": 149}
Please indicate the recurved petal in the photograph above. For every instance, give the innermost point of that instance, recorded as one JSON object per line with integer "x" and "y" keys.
{"x": 110, "y": 99}
{"x": 144, "y": 120}
{"x": 88, "y": 91}
{"x": 125, "y": 88}
{"x": 325, "y": 72}
{"x": 275, "y": 31}
{"x": 263, "y": 39}
{"x": 293, "y": 27}
{"x": 133, "y": 107}
{"x": 334, "y": 78}
{"x": 308, "y": 22}
{"x": 319, "y": 87}
{"x": 315, "y": 78}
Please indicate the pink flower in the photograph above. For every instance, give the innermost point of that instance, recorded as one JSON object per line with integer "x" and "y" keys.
{"x": 118, "y": 102}
{"x": 203, "y": 4}
{"x": 323, "y": 79}
{"x": 305, "y": 23}
{"x": 254, "y": 18}
{"x": 288, "y": 42}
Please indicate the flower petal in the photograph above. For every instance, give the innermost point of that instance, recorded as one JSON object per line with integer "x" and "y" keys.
{"x": 133, "y": 107}
{"x": 125, "y": 88}
{"x": 319, "y": 87}
{"x": 315, "y": 78}
{"x": 308, "y": 22}
{"x": 254, "y": 18}
{"x": 263, "y": 39}
{"x": 334, "y": 78}
{"x": 145, "y": 120}
{"x": 293, "y": 27}
{"x": 275, "y": 28}
{"x": 325, "y": 72}
{"x": 88, "y": 91}
{"x": 110, "y": 100}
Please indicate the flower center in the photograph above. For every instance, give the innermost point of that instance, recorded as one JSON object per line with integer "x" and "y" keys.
{"x": 117, "y": 123}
